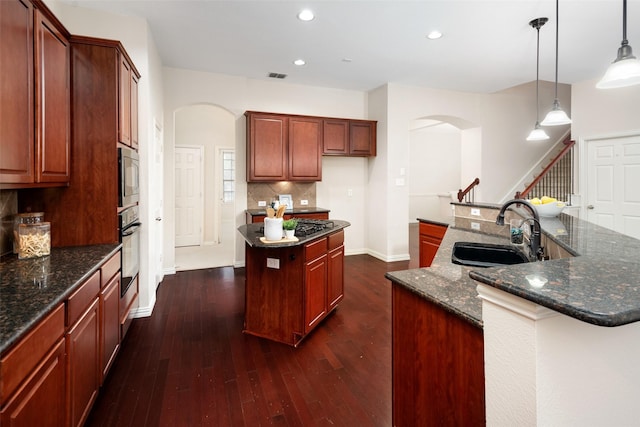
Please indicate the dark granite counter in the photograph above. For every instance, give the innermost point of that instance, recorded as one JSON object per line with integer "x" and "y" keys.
{"x": 445, "y": 222}
{"x": 600, "y": 285}
{"x": 31, "y": 288}
{"x": 252, "y": 234}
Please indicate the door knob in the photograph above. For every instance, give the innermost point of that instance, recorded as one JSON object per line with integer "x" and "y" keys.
{"x": 590, "y": 207}
{"x": 158, "y": 219}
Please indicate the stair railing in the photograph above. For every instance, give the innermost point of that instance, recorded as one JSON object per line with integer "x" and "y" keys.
{"x": 469, "y": 193}
{"x": 553, "y": 184}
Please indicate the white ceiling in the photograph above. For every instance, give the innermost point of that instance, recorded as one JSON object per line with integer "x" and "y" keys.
{"x": 487, "y": 45}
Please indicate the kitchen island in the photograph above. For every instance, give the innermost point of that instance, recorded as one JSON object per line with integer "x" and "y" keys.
{"x": 292, "y": 285}
{"x": 560, "y": 337}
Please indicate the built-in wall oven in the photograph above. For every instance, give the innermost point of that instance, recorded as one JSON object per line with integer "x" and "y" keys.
{"x": 130, "y": 226}
{"x": 128, "y": 177}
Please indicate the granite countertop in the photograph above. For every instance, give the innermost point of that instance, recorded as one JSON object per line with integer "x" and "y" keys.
{"x": 252, "y": 233}
{"x": 31, "y": 288}
{"x": 305, "y": 210}
{"x": 600, "y": 285}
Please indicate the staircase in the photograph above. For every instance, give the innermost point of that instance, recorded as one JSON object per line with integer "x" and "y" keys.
{"x": 555, "y": 179}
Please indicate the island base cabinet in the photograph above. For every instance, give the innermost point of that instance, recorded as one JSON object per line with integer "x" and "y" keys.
{"x": 41, "y": 401}
{"x": 437, "y": 365}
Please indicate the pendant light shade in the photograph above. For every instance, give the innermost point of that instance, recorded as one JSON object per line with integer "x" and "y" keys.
{"x": 556, "y": 116}
{"x": 625, "y": 70}
{"x": 537, "y": 134}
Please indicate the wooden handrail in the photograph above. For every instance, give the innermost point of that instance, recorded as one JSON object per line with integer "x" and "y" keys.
{"x": 462, "y": 193}
{"x": 568, "y": 144}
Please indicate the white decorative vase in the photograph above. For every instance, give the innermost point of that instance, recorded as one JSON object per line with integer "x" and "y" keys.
{"x": 273, "y": 229}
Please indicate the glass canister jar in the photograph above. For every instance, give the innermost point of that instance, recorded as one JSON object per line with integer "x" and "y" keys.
{"x": 24, "y": 218}
{"x": 34, "y": 240}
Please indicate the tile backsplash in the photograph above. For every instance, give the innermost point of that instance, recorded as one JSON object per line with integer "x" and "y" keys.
{"x": 8, "y": 208}
{"x": 269, "y": 191}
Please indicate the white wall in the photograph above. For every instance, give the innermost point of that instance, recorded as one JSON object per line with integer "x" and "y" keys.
{"x": 134, "y": 35}
{"x": 237, "y": 95}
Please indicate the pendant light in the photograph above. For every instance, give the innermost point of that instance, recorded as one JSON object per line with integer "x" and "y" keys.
{"x": 537, "y": 134}
{"x": 556, "y": 116}
{"x": 625, "y": 70}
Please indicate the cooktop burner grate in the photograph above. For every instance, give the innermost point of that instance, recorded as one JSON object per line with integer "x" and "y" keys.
{"x": 306, "y": 227}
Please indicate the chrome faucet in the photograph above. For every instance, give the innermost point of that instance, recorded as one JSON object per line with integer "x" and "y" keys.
{"x": 534, "y": 239}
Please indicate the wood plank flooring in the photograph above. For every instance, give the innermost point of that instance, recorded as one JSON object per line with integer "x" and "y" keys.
{"x": 189, "y": 363}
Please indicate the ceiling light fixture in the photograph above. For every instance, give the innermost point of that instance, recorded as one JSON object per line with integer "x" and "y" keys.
{"x": 306, "y": 15}
{"x": 299, "y": 62}
{"x": 434, "y": 35}
{"x": 556, "y": 116}
{"x": 625, "y": 70}
{"x": 537, "y": 134}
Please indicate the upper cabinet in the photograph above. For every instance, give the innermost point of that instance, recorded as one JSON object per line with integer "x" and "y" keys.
{"x": 345, "y": 137}
{"x": 35, "y": 106}
{"x": 128, "y": 103}
{"x": 283, "y": 147}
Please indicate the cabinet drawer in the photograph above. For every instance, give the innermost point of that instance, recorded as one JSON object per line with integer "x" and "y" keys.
{"x": 433, "y": 230}
{"x": 315, "y": 249}
{"x": 82, "y": 297}
{"x": 109, "y": 269}
{"x": 336, "y": 240}
{"x": 20, "y": 361}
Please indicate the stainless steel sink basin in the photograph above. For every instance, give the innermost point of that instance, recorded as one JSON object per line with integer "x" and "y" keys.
{"x": 486, "y": 254}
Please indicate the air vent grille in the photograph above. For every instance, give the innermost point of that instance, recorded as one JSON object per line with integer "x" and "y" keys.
{"x": 277, "y": 75}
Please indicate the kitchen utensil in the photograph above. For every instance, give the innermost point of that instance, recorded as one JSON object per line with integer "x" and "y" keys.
{"x": 271, "y": 212}
{"x": 280, "y": 212}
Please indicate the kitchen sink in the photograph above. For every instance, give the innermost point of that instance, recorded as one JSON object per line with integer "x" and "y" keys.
{"x": 486, "y": 254}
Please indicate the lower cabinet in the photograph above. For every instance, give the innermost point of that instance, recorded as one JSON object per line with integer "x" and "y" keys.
{"x": 437, "y": 365}
{"x": 430, "y": 238}
{"x": 52, "y": 376}
{"x": 289, "y": 290}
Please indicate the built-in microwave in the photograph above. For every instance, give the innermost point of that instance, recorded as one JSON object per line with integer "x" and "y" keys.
{"x": 128, "y": 177}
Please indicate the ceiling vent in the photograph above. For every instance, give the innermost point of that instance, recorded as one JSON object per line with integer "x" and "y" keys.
{"x": 277, "y": 75}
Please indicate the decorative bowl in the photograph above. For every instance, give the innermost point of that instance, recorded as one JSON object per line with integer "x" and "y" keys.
{"x": 549, "y": 210}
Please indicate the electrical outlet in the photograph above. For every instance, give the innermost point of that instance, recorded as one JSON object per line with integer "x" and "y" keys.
{"x": 475, "y": 226}
{"x": 475, "y": 211}
{"x": 304, "y": 202}
{"x": 262, "y": 203}
{"x": 273, "y": 263}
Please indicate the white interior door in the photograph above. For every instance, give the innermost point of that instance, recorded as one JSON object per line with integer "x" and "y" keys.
{"x": 613, "y": 174}
{"x": 189, "y": 196}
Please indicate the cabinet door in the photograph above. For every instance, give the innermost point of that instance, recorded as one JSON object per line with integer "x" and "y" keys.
{"x": 124, "y": 102}
{"x": 429, "y": 242}
{"x": 315, "y": 285}
{"x": 335, "y": 138}
{"x": 42, "y": 400}
{"x": 53, "y": 101}
{"x": 268, "y": 147}
{"x": 83, "y": 359}
{"x": 16, "y": 103}
{"x": 109, "y": 325}
{"x": 305, "y": 149}
{"x": 134, "y": 111}
{"x": 335, "y": 283}
{"x": 362, "y": 138}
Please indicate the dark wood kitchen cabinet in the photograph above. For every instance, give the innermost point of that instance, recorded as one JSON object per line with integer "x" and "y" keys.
{"x": 437, "y": 364}
{"x": 86, "y": 212}
{"x": 33, "y": 372}
{"x": 286, "y": 303}
{"x": 128, "y": 103}
{"x": 35, "y": 106}
{"x": 109, "y": 314}
{"x": 346, "y": 137}
{"x": 430, "y": 238}
{"x": 283, "y": 148}
{"x": 83, "y": 349}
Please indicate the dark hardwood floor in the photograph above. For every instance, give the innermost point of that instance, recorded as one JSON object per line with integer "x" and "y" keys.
{"x": 189, "y": 364}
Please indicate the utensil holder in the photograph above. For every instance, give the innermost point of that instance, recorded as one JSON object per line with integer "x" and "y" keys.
{"x": 273, "y": 229}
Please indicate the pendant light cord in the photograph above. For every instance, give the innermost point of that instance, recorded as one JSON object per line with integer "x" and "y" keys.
{"x": 557, "y": 26}
{"x": 538, "y": 75}
{"x": 624, "y": 23}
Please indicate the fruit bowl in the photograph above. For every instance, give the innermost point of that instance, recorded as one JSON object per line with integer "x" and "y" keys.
{"x": 550, "y": 209}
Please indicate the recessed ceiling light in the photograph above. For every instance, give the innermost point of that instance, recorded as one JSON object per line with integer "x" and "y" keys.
{"x": 306, "y": 15}
{"x": 434, "y": 35}
{"x": 299, "y": 62}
